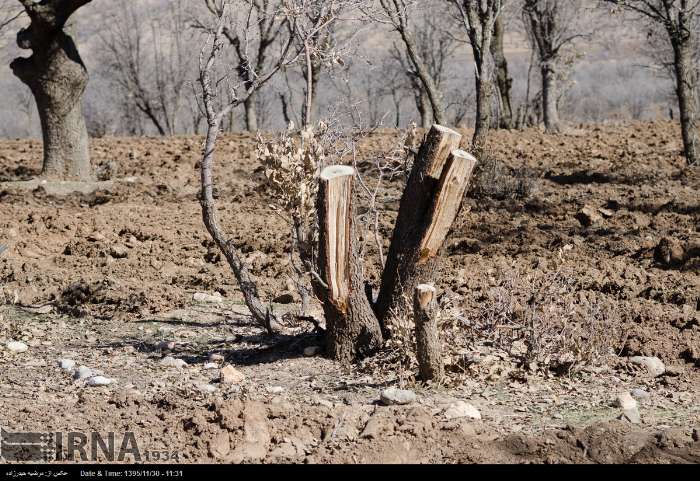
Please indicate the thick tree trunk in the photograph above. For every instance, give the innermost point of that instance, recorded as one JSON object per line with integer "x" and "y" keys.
{"x": 57, "y": 78}
{"x": 686, "y": 89}
{"x": 424, "y": 109}
{"x": 414, "y": 218}
{"x": 251, "y": 114}
{"x": 549, "y": 99}
{"x": 504, "y": 82}
{"x": 428, "y": 350}
{"x": 351, "y": 325}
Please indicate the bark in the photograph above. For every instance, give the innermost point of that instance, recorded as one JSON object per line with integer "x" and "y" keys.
{"x": 428, "y": 349}
{"x": 251, "y": 114}
{"x": 424, "y": 109}
{"x": 686, "y": 89}
{"x": 550, "y": 94}
{"x": 57, "y": 77}
{"x": 484, "y": 92}
{"x": 416, "y": 202}
{"x": 352, "y": 327}
{"x": 503, "y": 81}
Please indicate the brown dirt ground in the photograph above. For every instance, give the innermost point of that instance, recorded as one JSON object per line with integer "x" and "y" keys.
{"x": 64, "y": 293}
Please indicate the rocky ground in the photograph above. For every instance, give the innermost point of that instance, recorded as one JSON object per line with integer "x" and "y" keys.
{"x": 594, "y": 234}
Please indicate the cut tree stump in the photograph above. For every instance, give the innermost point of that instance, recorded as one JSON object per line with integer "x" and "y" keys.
{"x": 428, "y": 349}
{"x": 416, "y": 203}
{"x": 428, "y": 210}
{"x": 352, "y": 328}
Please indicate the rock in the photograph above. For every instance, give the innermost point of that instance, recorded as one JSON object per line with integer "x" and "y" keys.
{"x": 588, "y": 216}
{"x": 670, "y": 252}
{"x": 395, "y": 396}
{"x": 82, "y": 372}
{"x": 211, "y": 365}
{"x": 625, "y": 401}
{"x": 99, "y": 381}
{"x": 216, "y": 357}
{"x": 640, "y": 394}
{"x": 207, "y": 298}
{"x": 170, "y": 361}
{"x": 66, "y": 364}
{"x": 96, "y": 237}
{"x": 284, "y": 298}
{"x": 166, "y": 345}
{"x": 607, "y": 213}
{"x": 274, "y": 389}
{"x": 118, "y": 251}
{"x": 631, "y": 415}
{"x": 311, "y": 351}
{"x": 461, "y": 409}
{"x": 208, "y": 388}
{"x": 231, "y": 375}
{"x": 654, "y": 365}
{"x": 17, "y": 346}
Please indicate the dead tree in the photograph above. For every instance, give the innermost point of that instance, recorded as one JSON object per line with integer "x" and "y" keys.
{"x": 553, "y": 26}
{"x": 479, "y": 18}
{"x": 429, "y": 205}
{"x": 253, "y": 44}
{"x": 57, "y": 77}
{"x": 397, "y": 15}
{"x": 679, "y": 20}
{"x": 428, "y": 348}
{"x": 353, "y": 329}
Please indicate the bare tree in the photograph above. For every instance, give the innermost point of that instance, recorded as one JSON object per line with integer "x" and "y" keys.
{"x": 479, "y": 18}
{"x": 57, "y": 77}
{"x": 264, "y": 25}
{"x": 419, "y": 52}
{"x": 149, "y": 61}
{"x": 679, "y": 20}
{"x": 553, "y": 26}
{"x": 503, "y": 80}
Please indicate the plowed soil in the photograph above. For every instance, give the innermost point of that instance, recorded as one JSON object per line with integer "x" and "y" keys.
{"x": 105, "y": 278}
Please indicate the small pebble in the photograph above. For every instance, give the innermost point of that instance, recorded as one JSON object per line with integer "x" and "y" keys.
{"x": 82, "y": 372}
{"x": 170, "y": 361}
{"x": 395, "y": 396}
{"x": 17, "y": 346}
{"x": 99, "y": 381}
{"x": 66, "y": 364}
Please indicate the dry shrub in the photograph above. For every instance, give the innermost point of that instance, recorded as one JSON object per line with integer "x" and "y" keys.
{"x": 542, "y": 322}
{"x": 495, "y": 180}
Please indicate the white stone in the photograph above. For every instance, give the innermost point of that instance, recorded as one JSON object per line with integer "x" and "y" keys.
{"x": 395, "y": 396}
{"x": 99, "y": 381}
{"x": 169, "y": 361}
{"x": 17, "y": 346}
{"x": 461, "y": 409}
{"x": 66, "y": 364}
{"x": 275, "y": 389}
{"x": 231, "y": 375}
{"x": 82, "y": 372}
{"x": 625, "y": 401}
{"x": 211, "y": 365}
{"x": 654, "y": 365}
{"x": 207, "y": 298}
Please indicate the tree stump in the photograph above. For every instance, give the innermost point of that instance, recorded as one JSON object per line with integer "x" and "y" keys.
{"x": 352, "y": 328}
{"x": 418, "y": 244}
{"x": 428, "y": 349}
{"x": 415, "y": 205}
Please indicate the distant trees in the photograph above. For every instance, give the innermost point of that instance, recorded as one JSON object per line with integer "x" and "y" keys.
{"x": 479, "y": 18}
{"x": 552, "y": 26}
{"x": 679, "y": 19}
{"x": 149, "y": 61}
{"x": 57, "y": 77}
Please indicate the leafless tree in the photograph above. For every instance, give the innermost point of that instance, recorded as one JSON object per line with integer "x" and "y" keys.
{"x": 679, "y": 20}
{"x": 419, "y": 49}
{"x": 264, "y": 27}
{"x": 57, "y": 77}
{"x": 479, "y": 18}
{"x": 553, "y": 26}
{"x": 149, "y": 60}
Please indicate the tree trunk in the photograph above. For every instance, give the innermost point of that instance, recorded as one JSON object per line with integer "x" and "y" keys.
{"x": 351, "y": 325}
{"x": 549, "y": 98}
{"x": 251, "y": 114}
{"x": 504, "y": 82}
{"x": 428, "y": 351}
{"x": 484, "y": 91}
{"x": 686, "y": 89}
{"x": 424, "y": 109}
{"x": 413, "y": 221}
{"x": 57, "y": 78}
